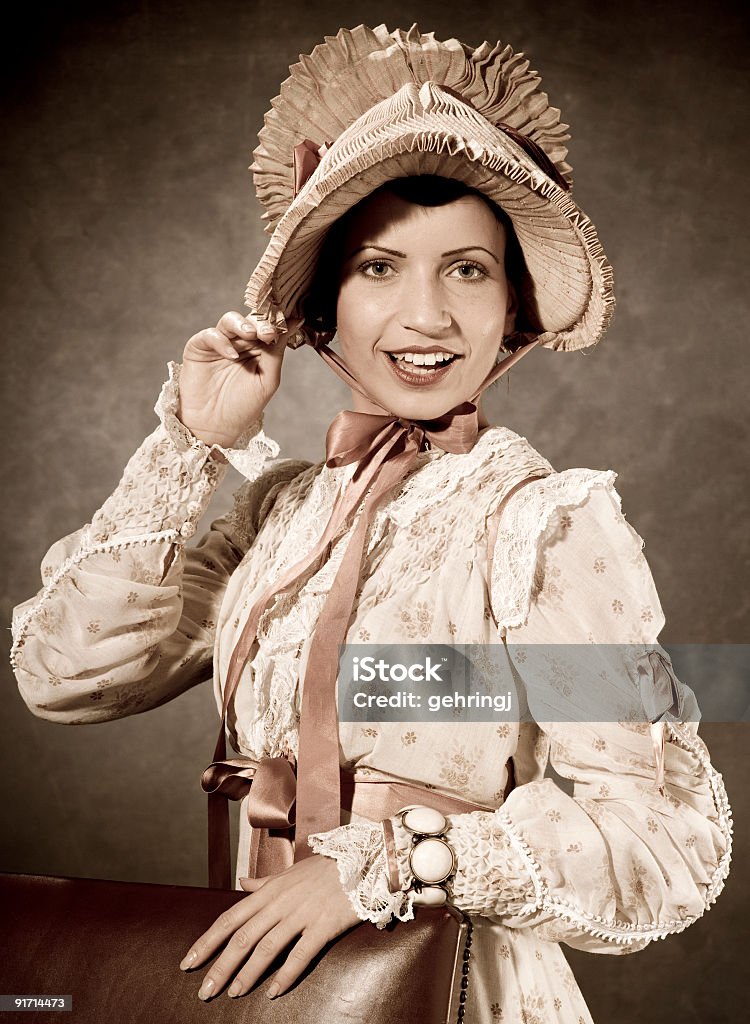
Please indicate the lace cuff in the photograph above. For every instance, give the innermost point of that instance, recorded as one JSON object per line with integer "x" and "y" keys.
{"x": 491, "y": 878}
{"x": 359, "y": 851}
{"x": 251, "y": 451}
{"x": 169, "y": 481}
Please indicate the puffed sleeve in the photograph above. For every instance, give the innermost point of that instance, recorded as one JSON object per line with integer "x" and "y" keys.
{"x": 642, "y": 847}
{"x": 126, "y": 617}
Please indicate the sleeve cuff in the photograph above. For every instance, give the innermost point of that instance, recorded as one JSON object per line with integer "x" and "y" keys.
{"x": 360, "y": 854}
{"x": 248, "y": 456}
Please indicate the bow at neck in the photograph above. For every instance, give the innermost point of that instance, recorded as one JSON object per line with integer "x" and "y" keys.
{"x": 354, "y": 436}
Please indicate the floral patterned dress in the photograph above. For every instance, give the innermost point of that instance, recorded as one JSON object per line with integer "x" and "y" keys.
{"x": 129, "y": 617}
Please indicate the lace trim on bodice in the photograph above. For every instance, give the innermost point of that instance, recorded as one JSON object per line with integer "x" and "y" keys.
{"x": 529, "y": 522}
{"x": 432, "y": 534}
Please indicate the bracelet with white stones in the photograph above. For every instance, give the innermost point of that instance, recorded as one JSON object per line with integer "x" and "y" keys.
{"x": 432, "y": 859}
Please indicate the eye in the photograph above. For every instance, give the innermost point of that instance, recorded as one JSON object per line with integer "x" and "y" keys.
{"x": 467, "y": 271}
{"x": 378, "y": 269}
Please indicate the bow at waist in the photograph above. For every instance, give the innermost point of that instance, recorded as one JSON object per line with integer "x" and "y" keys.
{"x": 270, "y": 781}
{"x": 270, "y": 785}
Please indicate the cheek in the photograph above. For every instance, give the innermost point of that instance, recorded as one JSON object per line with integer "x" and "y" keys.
{"x": 360, "y": 318}
{"x": 488, "y": 316}
{"x": 486, "y": 308}
{"x": 487, "y": 334}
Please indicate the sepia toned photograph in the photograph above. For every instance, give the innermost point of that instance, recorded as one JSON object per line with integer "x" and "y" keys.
{"x": 376, "y": 497}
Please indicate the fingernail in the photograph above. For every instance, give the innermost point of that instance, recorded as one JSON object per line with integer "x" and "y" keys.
{"x": 232, "y": 353}
{"x": 267, "y": 329}
{"x": 206, "y": 989}
{"x": 188, "y": 960}
{"x": 246, "y": 327}
{"x": 273, "y": 991}
{"x": 235, "y": 990}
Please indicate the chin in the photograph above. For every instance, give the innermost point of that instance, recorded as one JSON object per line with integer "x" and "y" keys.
{"x": 422, "y": 407}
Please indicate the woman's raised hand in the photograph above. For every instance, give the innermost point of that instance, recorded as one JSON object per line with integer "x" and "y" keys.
{"x": 304, "y": 906}
{"x": 229, "y": 374}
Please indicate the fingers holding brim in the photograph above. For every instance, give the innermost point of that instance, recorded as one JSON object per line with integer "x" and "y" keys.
{"x": 246, "y": 327}
{"x": 266, "y": 327}
{"x": 239, "y": 348}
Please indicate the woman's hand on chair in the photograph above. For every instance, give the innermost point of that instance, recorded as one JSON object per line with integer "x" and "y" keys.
{"x": 305, "y": 903}
{"x": 229, "y": 374}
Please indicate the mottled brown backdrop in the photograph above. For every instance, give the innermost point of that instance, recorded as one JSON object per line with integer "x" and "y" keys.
{"x": 130, "y": 223}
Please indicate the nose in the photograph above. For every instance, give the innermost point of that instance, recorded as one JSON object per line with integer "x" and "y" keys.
{"x": 423, "y": 306}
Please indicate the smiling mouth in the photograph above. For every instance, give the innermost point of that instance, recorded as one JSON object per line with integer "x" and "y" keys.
{"x": 430, "y": 368}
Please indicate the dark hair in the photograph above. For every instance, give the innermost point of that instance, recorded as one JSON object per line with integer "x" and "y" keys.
{"x": 430, "y": 190}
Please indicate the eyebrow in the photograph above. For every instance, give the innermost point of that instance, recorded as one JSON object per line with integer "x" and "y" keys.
{"x": 379, "y": 248}
{"x": 402, "y": 255}
{"x": 471, "y": 248}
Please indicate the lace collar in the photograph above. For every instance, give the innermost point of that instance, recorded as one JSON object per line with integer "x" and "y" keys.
{"x": 436, "y": 475}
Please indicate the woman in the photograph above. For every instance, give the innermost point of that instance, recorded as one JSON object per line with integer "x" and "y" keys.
{"x": 429, "y": 224}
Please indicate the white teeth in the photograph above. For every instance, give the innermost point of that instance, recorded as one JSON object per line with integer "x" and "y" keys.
{"x": 423, "y": 364}
{"x": 422, "y": 358}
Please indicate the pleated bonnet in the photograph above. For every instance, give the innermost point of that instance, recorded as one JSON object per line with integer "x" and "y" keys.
{"x": 390, "y": 105}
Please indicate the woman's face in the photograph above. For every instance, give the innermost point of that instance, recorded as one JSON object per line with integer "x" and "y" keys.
{"x": 424, "y": 303}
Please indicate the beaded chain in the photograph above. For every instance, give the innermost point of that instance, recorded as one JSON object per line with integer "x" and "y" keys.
{"x": 465, "y": 967}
